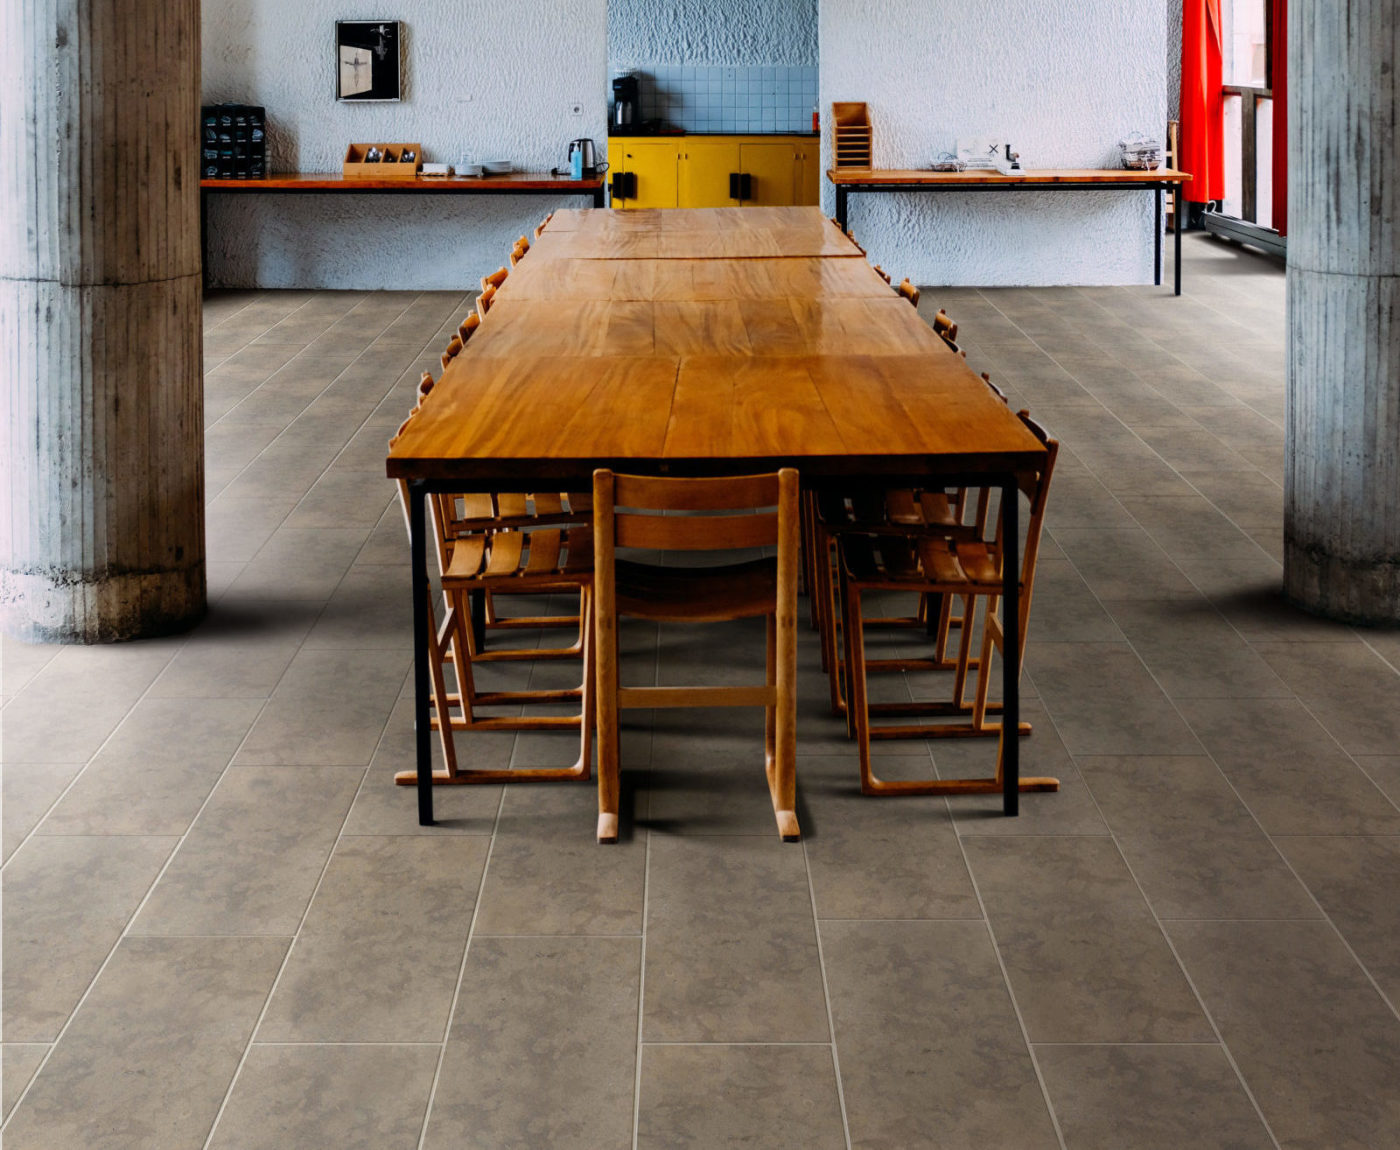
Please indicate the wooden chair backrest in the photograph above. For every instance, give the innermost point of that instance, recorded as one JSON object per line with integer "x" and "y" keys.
{"x": 752, "y": 510}
{"x": 909, "y": 291}
{"x": 454, "y": 345}
{"x": 469, "y": 326}
{"x": 483, "y": 301}
{"x": 495, "y": 279}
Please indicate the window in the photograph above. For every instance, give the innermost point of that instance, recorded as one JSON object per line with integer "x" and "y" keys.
{"x": 1247, "y": 36}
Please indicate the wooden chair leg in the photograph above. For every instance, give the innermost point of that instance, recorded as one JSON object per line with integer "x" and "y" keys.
{"x": 832, "y": 599}
{"x": 782, "y": 661}
{"x": 784, "y": 781}
{"x": 605, "y": 624}
{"x": 857, "y": 700}
{"x": 770, "y": 712}
{"x": 588, "y": 715}
{"x": 440, "y": 641}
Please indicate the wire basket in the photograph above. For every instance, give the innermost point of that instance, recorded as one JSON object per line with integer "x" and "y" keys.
{"x": 948, "y": 162}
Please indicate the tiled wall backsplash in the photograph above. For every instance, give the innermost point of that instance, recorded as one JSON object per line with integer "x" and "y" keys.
{"x": 722, "y": 99}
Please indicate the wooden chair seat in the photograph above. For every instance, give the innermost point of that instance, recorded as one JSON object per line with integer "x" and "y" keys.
{"x": 697, "y": 594}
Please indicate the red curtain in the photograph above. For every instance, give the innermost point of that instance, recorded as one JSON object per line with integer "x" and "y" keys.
{"x": 1279, "y": 53}
{"x": 1202, "y": 105}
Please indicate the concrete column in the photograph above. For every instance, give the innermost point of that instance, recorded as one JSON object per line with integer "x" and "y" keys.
{"x": 1342, "y": 500}
{"x": 101, "y": 402}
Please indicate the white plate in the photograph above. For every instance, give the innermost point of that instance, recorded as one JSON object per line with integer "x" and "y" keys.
{"x": 498, "y": 167}
{"x": 469, "y": 169}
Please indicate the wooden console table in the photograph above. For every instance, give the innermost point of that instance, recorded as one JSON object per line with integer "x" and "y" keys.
{"x": 312, "y": 183}
{"x": 848, "y": 180}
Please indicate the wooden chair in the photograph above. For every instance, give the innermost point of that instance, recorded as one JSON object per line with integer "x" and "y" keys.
{"x": 761, "y": 587}
{"x": 483, "y": 301}
{"x": 482, "y": 546}
{"x": 518, "y": 252}
{"x": 909, "y": 291}
{"x": 949, "y": 563}
{"x": 883, "y": 274}
{"x": 956, "y": 510}
{"x": 468, "y": 326}
{"x": 945, "y": 328}
{"x": 495, "y": 279}
{"x": 544, "y": 223}
{"x": 454, "y": 346}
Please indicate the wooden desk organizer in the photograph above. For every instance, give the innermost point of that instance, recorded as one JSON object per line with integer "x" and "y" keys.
{"x": 354, "y": 166}
{"x": 851, "y": 123}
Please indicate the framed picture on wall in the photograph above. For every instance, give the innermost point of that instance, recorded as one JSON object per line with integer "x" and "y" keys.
{"x": 367, "y": 60}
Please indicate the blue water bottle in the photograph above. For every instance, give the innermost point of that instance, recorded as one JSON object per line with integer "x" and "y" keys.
{"x": 576, "y": 163}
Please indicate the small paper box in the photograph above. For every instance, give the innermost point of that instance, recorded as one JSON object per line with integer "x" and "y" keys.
{"x": 390, "y": 167}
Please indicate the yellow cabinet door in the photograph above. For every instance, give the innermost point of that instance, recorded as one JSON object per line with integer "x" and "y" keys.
{"x": 771, "y": 171}
{"x": 809, "y": 173}
{"x": 705, "y": 167}
{"x": 651, "y": 166}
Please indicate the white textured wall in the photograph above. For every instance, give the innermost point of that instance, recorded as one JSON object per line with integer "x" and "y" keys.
{"x": 1062, "y": 80}
{"x": 482, "y": 78}
{"x": 642, "y": 32}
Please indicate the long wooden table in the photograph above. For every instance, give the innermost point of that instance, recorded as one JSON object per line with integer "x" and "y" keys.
{"x": 847, "y": 389}
{"x": 891, "y": 180}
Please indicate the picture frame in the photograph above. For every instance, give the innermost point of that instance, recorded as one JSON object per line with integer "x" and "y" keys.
{"x": 368, "y": 61}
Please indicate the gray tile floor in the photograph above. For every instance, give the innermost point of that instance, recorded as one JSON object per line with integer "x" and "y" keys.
{"x": 223, "y": 927}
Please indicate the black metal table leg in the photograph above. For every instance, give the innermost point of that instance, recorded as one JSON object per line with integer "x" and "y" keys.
{"x": 422, "y": 726}
{"x": 1176, "y": 233}
{"x": 1157, "y": 242}
{"x": 841, "y": 208}
{"x": 599, "y": 199}
{"x": 1011, "y": 649}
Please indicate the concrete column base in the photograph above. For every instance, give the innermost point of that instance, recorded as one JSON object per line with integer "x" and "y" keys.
{"x": 68, "y": 608}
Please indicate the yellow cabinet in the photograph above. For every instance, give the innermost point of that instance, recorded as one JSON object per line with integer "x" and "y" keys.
{"x": 648, "y": 168}
{"x": 808, "y": 189}
{"x": 770, "y": 169}
{"x": 707, "y": 164}
{"x": 713, "y": 171}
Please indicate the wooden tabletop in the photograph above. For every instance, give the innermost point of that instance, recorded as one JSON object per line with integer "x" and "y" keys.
{"x": 334, "y": 182}
{"x": 552, "y": 386}
{"x": 730, "y": 220}
{"x": 916, "y": 176}
{"x": 799, "y": 277}
{"x": 737, "y": 328}
{"x": 558, "y": 417}
{"x": 709, "y": 234}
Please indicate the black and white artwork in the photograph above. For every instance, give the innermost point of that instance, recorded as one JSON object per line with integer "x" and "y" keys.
{"x": 367, "y": 59}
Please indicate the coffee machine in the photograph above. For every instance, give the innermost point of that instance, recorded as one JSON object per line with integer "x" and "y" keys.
{"x": 625, "y": 100}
